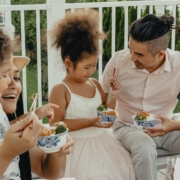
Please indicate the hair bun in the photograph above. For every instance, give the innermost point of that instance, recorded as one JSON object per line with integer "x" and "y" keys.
{"x": 1, "y": 34}
{"x": 168, "y": 20}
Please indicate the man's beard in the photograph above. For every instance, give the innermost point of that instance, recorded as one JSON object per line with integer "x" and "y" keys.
{"x": 138, "y": 65}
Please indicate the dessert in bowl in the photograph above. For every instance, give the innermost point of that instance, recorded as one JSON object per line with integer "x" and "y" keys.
{"x": 107, "y": 115}
{"x": 144, "y": 119}
{"x": 52, "y": 138}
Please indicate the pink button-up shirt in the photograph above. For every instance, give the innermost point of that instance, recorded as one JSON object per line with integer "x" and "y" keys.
{"x": 155, "y": 93}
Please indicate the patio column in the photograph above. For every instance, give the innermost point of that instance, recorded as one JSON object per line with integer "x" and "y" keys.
{"x": 56, "y": 72}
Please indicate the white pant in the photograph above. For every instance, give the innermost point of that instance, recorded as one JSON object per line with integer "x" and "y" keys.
{"x": 143, "y": 148}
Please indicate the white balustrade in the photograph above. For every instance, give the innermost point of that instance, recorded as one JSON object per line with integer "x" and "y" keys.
{"x": 55, "y": 10}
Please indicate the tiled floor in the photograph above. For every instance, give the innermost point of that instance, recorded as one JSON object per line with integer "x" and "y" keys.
{"x": 161, "y": 174}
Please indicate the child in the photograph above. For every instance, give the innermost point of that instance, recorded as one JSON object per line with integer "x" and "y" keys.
{"x": 96, "y": 154}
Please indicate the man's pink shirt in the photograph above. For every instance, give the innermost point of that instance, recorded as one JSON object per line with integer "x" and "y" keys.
{"x": 155, "y": 93}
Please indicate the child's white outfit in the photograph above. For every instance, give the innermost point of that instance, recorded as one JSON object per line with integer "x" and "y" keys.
{"x": 12, "y": 171}
{"x": 96, "y": 154}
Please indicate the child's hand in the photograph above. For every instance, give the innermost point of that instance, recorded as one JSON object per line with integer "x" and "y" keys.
{"x": 115, "y": 85}
{"x": 46, "y": 111}
{"x": 14, "y": 145}
{"x": 95, "y": 122}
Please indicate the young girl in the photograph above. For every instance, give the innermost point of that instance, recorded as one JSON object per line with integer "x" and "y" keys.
{"x": 96, "y": 154}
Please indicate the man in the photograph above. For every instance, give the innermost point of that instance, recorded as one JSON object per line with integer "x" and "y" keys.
{"x": 149, "y": 76}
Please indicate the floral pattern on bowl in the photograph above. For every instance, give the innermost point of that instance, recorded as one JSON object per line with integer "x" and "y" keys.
{"x": 52, "y": 143}
{"x": 145, "y": 123}
{"x": 106, "y": 118}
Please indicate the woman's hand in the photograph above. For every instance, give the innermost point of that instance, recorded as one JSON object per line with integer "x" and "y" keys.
{"x": 14, "y": 145}
{"x": 167, "y": 126}
{"x": 65, "y": 150}
{"x": 96, "y": 123}
{"x": 46, "y": 111}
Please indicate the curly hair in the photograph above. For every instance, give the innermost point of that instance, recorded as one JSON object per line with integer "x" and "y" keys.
{"x": 6, "y": 46}
{"x": 77, "y": 34}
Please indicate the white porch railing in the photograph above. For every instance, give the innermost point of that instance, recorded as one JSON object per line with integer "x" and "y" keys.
{"x": 55, "y": 10}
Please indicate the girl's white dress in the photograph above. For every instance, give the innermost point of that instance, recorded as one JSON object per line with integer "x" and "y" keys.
{"x": 96, "y": 154}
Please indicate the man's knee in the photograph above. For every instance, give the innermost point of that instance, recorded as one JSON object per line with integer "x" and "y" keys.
{"x": 135, "y": 140}
{"x": 143, "y": 144}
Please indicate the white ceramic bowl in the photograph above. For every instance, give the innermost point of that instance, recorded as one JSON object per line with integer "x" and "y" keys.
{"x": 150, "y": 122}
{"x": 52, "y": 143}
{"x": 107, "y": 118}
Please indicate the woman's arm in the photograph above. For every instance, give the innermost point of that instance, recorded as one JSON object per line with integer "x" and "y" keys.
{"x": 50, "y": 166}
{"x": 18, "y": 119}
{"x": 5, "y": 160}
{"x": 13, "y": 145}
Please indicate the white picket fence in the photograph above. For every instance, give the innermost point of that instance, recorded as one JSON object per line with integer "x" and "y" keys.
{"x": 55, "y": 10}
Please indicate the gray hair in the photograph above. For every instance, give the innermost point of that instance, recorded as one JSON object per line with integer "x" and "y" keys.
{"x": 156, "y": 45}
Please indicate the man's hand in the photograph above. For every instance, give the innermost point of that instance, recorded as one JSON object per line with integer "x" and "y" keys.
{"x": 167, "y": 126}
{"x": 115, "y": 85}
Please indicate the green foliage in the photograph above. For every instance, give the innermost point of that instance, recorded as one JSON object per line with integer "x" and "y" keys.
{"x": 177, "y": 39}
{"x": 177, "y": 109}
{"x": 118, "y": 19}
{"x": 30, "y": 36}
{"x": 72, "y": 1}
{"x": 146, "y": 11}
{"x": 120, "y": 36}
{"x": 15, "y": 2}
{"x": 108, "y": 44}
{"x": 83, "y": 1}
{"x": 91, "y": 1}
{"x": 106, "y": 28}
{"x": 132, "y": 14}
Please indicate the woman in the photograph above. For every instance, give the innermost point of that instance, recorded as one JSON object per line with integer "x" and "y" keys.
{"x": 51, "y": 166}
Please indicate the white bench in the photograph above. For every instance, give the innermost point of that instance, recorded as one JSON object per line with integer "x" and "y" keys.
{"x": 162, "y": 154}
{"x": 162, "y": 157}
